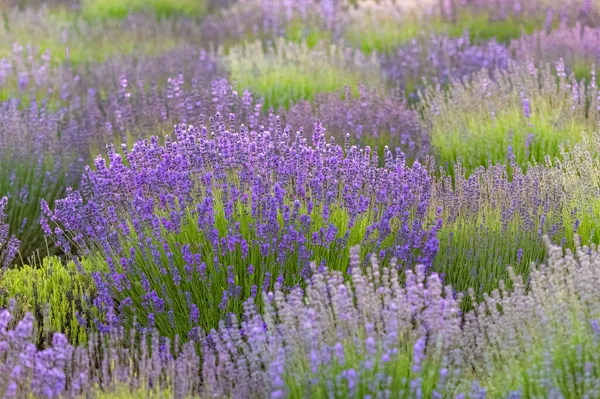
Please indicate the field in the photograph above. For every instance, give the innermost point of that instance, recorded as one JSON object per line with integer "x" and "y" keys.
{"x": 299, "y": 199}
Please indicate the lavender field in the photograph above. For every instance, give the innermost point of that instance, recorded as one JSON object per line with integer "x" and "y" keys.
{"x": 299, "y": 199}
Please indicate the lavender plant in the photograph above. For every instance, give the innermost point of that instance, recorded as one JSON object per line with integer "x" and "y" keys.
{"x": 380, "y": 121}
{"x": 522, "y": 115}
{"x": 39, "y": 158}
{"x": 181, "y": 234}
{"x": 287, "y": 72}
{"x": 249, "y": 20}
{"x": 493, "y": 219}
{"x": 9, "y": 244}
{"x": 577, "y": 46}
{"x": 441, "y": 59}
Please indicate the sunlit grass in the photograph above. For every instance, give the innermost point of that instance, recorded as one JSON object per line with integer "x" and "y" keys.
{"x": 523, "y": 116}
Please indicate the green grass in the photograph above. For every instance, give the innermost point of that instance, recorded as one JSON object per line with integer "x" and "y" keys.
{"x": 27, "y": 182}
{"x": 68, "y": 34}
{"x": 299, "y": 32}
{"x": 484, "y": 25}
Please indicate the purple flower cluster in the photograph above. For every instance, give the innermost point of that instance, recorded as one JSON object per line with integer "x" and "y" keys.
{"x": 577, "y": 46}
{"x": 442, "y": 59}
{"x": 371, "y": 118}
{"x": 173, "y": 218}
{"x": 27, "y": 370}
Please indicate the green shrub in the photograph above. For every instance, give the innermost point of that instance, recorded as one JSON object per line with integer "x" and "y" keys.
{"x": 103, "y": 9}
{"x": 523, "y": 115}
{"x": 287, "y": 72}
{"x": 56, "y": 294}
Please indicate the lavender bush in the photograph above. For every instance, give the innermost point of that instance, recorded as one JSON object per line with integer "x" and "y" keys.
{"x": 217, "y": 216}
{"x": 287, "y": 72}
{"x": 577, "y": 46}
{"x": 9, "y": 244}
{"x": 441, "y": 59}
{"x": 522, "y": 115}
{"x": 493, "y": 219}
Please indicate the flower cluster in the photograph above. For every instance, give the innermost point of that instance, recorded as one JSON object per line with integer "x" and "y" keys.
{"x": 219, "y": 214}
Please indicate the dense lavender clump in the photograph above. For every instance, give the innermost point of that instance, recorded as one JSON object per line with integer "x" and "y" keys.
{"x": 40, "y": 155}
{"x": 369, "y": 118}
{"x": 577, "y": 46}
{"x": 28, "y": 73}
{"x": 493, "y": 218}
{"x": 221, "y": 216}
{"x": 442, "y": 59}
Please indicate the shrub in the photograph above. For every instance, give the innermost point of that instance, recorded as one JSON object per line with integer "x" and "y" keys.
{"x": 58, "y": 296}
{"x": 181, "y": 234}
{"x": 521, "y": 115}
{"x": 493, "y": 219}
{"x": 288, "y": 72}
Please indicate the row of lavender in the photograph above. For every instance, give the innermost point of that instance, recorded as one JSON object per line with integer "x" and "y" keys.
{"x": 366, "y": 337}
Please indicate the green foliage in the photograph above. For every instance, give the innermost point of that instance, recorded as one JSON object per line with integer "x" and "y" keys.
{"x": 485, "y": 25}
{"x": 125, "y": 392}
{"x": 27, "y": 182}
{"x": 103, "y": 9}
{"x": 523, "y": 116}
{"x": 69, "y": 37}
{"x": 288, "y": 72}
{"x": 54, "y": 293}
{"x": 297, "y": 31}
{"x": 384, "y": 26}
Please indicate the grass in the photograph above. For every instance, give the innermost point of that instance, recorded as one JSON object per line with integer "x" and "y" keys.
{"x": 26, "y": 182}
{"x": 299, "y": 32}
{"x": 71, "y": 37}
